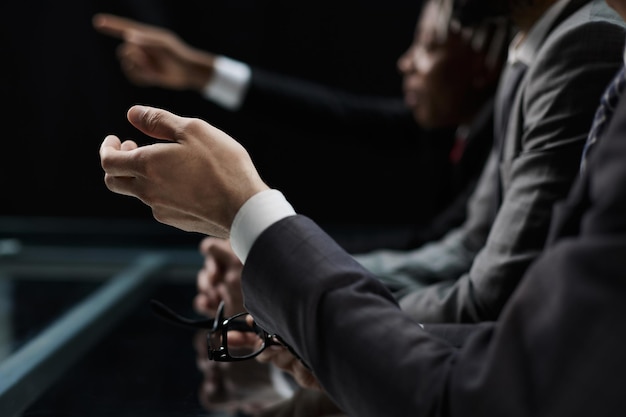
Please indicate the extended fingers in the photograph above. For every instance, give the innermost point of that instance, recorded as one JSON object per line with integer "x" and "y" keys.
{"x": 116, "y": 26}
{"x": 120, "y": 164}
{"x": 132, "y": 58}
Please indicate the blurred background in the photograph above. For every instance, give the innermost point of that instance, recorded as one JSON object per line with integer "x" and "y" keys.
{"x": 63, "y": 92}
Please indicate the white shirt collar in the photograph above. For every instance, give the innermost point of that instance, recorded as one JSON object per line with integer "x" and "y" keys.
{"x": 525, "y": 50}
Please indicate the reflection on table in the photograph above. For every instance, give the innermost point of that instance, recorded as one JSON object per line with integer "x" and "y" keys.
{"x": 78, "y": 336}
{"x": 146, "y": 367}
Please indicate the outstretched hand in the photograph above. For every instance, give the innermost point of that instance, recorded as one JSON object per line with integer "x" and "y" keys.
{"x": 154, "y": 56}
{"x": 195, "y": 179}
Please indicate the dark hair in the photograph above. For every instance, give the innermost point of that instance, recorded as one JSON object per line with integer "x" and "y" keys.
{"x": 489, "y": 34}
{"x": 486, "y": 27}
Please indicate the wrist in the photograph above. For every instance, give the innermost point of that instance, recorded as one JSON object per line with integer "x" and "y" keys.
{"x": 201, "y": 69}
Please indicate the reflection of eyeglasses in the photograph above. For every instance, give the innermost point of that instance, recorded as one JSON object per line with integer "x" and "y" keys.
{"x": 250, "y": 339}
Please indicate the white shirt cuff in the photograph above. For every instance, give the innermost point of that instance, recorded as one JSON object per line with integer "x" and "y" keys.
{"x": 257, "y": 214}
{"x": 229, "y": 83}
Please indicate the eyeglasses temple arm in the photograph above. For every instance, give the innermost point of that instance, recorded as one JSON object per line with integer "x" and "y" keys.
{"x": 169, "y": 315}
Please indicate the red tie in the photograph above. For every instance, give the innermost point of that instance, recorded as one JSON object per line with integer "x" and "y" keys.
{"x": 460, "y": 140}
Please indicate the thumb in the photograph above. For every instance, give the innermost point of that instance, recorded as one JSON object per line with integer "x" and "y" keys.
{"x": 157, "y": 123}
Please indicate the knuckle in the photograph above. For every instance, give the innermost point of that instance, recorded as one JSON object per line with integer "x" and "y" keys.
{"x": 192, "y": 126}
{"x": 106, "y": 161}
{"x": 152, "y": 119}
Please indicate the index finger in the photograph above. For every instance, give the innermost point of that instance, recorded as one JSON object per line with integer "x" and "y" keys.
{"x": 115, "y": 26}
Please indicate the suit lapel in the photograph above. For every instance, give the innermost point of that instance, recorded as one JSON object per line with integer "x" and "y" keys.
{"x": 504, "y": 137}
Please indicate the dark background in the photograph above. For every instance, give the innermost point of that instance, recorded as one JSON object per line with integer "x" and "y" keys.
{"x": 62, "y": 92}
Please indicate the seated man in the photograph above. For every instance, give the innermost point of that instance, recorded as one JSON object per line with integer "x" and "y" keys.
{"x": 562, "y": 45}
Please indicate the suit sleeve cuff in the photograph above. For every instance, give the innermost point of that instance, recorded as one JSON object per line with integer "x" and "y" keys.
{"x": 257, "y": 214}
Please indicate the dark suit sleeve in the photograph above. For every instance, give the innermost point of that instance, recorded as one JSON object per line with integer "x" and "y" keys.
{"x": 298, "y": 283}
{"x": 313, "y": 107}
{"x": 557, "y": 348}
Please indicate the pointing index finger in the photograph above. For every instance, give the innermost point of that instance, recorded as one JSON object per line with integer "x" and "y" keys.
{"x": 115, "y": 26}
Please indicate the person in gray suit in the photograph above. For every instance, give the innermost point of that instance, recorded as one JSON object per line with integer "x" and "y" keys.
{"x": 569, "y": 50}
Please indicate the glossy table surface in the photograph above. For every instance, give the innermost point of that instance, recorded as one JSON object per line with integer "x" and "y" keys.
{"x": 146, "y": 367}
{"x": 68, "y": 340}
{"x": 78, "y": 336}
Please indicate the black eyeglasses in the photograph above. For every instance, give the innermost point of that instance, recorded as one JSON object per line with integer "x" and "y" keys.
{"x": 247, "y": 338}
{"x": 252, "y": 338}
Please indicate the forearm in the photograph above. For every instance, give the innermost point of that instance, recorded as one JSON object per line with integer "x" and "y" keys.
{"x": 407, "y": 271}
{"x": 347, "y": 328}
{"x": 299, "y": 102}
{"x": 314, "y": 280}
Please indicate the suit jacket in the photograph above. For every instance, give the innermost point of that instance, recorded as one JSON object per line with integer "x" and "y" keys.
{"x": 535, "y": 167}
{"x": 555, "y": 350}
{"x": 442, "y": 187}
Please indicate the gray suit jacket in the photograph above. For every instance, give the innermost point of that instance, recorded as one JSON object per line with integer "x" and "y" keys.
{"x": 540, "y": 157}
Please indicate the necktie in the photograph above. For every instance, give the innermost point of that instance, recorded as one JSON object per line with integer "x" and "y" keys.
{"x": 608, "y": 101}
{"x": 458, "y": 148}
